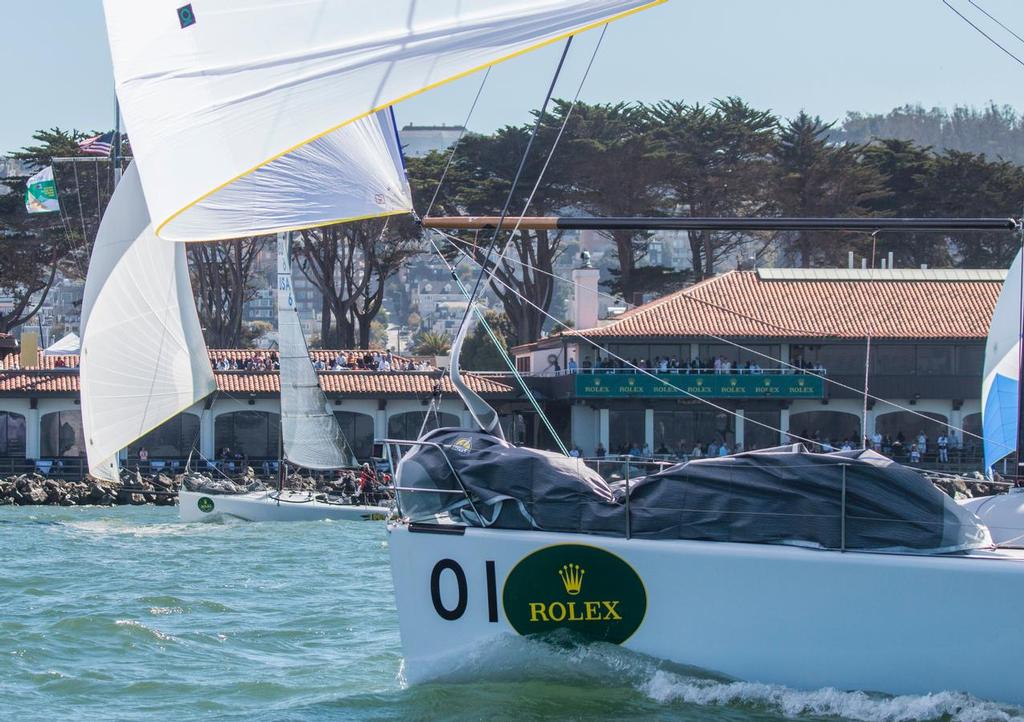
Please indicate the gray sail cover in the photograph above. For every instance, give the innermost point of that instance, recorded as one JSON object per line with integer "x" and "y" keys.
{"x": 311, "y": 435}
{"x": 775, "y": 496}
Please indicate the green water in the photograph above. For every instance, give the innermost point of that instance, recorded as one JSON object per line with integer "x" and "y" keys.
{"x": 128, "y": 614}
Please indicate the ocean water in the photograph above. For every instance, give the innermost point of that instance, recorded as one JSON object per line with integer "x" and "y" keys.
{"x": 128, "y": 614}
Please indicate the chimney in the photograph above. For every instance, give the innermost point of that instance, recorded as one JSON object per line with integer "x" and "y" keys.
{"x": 849, "y": 260}
{"x": 585, "y": 297}
{"x": 890, "y": 261}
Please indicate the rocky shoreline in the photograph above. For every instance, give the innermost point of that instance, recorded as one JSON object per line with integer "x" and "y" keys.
{"x": 136, "y": 489}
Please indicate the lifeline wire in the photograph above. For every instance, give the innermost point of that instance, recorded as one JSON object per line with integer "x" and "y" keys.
{"x": 994, "y": 19}
{"x": 455, "y": 241}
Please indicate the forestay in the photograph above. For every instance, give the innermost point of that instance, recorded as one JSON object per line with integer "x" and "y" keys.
{"x": 999, "y": 388}
{"x": 143, "y": 358}
{"x": 227, "y": 100}
{"x": 311, "y": 435}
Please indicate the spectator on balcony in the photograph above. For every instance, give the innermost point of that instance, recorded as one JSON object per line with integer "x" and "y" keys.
{"x": 575, "y": 452}
{"x": 876, "y": 441}
{"x": 697, "y": 452}
{"x": 915, "y": 454}
{"x": 943, "y": 443}
{"x": 587, "y": 366}
{"x": 600, "y": 451}
{"x": 571, "y": 367}
{"x": 922, "y": 442}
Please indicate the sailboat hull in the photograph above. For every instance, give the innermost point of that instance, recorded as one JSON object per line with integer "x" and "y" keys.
{"x": 1003, "y": 514}
{"x": 269, "y": 506}
{"x": 799, "y": 617}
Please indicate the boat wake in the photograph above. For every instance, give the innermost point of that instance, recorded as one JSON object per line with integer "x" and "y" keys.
{"x": 577, "y": 664}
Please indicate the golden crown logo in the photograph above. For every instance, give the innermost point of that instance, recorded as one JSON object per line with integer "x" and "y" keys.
{"x": 700, "y": 382}
{"x": 732, "y": 382}
{"x": 800, "y": 382}
{"x": 572, "y": 578}
{"x": 632, "y": 382}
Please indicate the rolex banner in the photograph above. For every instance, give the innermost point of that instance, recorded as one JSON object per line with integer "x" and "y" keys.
{"x": 41, "y": 192}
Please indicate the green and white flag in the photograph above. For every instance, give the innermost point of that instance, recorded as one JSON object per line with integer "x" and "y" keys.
{"x": 41, "y": 192}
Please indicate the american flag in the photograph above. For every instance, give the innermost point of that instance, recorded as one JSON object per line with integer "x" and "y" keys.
{"x": 98, "y": 144}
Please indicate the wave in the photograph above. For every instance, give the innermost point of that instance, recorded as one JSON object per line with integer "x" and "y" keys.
{"x": 600, "y": 666}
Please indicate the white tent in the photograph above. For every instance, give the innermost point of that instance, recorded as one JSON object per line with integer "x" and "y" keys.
{"x": 67, "y": 346}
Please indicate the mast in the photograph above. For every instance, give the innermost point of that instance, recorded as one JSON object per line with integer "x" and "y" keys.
{"x": 687, "y": 223}
{"x": 1020, "y": 372}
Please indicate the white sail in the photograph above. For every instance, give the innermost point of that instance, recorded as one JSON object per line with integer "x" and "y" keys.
{"x": 310, "y": 433}
{"x": 218, "y": 97}
{"x": 143, "y": 358}
{"x": 999, "y": 413}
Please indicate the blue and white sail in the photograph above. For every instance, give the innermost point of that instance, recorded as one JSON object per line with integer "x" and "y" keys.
{"x": 999, "y": 389}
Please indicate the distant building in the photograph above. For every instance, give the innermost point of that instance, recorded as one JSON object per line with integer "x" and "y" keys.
{"x": 928, "y": 330}
{"x": 419, "y": 140}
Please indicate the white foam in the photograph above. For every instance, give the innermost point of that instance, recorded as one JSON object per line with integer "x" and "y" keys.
{"x": 664, "y": 686}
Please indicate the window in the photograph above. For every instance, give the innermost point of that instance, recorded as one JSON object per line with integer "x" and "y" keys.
{"x": 408, "y": 424}
{"x": 834, "y": 427}
{"x": 12, "y": 434}
{"x": 892, "y": 359}
{"x": 523, "y": 364}
{"x": 934, "y": 360}
{"x": 173, "y": 439}
{"x": 841, "y": 358}
{"x": 756, "y": 436}
{"x": 679, "y": 431}
{"x": 61, "y": 434}
{"x": 358, "y": 430}
{"x": 625, "y": 430}
{"x": 970, "y": 360}
{"x": 254, "y": 434}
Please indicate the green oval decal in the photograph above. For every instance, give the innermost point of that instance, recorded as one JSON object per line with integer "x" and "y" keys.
{"x": 572, "y": 586}
{"x": 205, "y": 504}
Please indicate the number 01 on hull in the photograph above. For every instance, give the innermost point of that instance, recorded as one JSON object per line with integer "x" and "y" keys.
{"x": 805, "y": 618}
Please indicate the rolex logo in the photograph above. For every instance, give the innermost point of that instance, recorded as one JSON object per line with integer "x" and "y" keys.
{"x": 572, "y": 578}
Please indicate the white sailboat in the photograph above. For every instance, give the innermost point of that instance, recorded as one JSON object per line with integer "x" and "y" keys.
{"x": 850, "y": 585}
{"x": 1003, "y": 513}
{"x": 311, "y": 437}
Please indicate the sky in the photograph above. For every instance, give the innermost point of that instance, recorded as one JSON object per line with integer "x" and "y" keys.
{"x": 824, "y": 56}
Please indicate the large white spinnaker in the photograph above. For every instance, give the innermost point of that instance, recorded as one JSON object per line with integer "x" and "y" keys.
{"x": 310, "y": 433}
{"x": 999, "y": 413}
{"x": 229, "y": 103}
{"x": 143, "y": 359}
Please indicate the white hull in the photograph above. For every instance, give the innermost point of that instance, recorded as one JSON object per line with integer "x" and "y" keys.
{"x": 1003, "y": 514}
{"x": 264, "y": 506}
{"x": 793, "y": 616}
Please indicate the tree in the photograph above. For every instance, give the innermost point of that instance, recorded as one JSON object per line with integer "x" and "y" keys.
{"x": 222, "y": 281}
{"x": 608, "y": 151}
{"x": 817, "y": 178}
{"x": 717, "y": 161}
{"x": 431, "y": 343}
{"x": 479, "y": 352}
{"x": 350, "y": 264}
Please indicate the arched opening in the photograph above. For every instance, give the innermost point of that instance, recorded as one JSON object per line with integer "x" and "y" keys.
{"x": 677, "y": 432}
{"x": 61, "y": 434}
{"x": 12, "y": 435}
{"x": 358, "y": 429}
{"x": 250, "y": 434}
{"x": 828, "y": 428}
{"x": 407, "y": 425}
{"x": 971, "y": 445}
{"x": 904, "y": 430}
{"x": 173, "y": 439}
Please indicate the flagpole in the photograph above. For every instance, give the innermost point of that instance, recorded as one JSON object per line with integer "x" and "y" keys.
{"x": 117, "y": 141}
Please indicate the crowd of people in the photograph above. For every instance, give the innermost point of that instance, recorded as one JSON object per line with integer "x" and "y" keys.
{"x": 369, "y": 361}
{"x": 672, "y": 365}
{"x": 341, "y": 361}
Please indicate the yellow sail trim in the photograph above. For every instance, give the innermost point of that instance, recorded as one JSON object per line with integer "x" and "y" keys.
{"x": 382, "y": 106}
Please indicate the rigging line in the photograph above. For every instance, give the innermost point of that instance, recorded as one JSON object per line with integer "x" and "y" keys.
{"x": 995, "y": 20}
{"x": 81, "y": 215}
{"x": 455, "y": 241}
{"x": 565, "y": 122}
{"x": 515, "y": 180}
{"x": 660, "y": 379}
{"x": 503, "y": 352}
{"x": 458, "y": 141}
{"x": 987, "y": 36}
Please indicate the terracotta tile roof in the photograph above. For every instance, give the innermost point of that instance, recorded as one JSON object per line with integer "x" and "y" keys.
{"x": 364, "y": 383}
{"x": 46, "y": 382}
{"x": 744, "y": 304}
{"x": 367, "y": 383}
